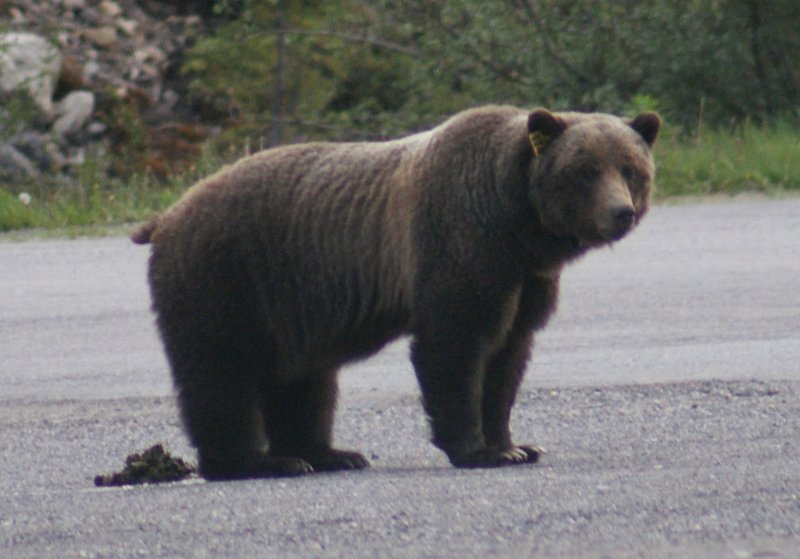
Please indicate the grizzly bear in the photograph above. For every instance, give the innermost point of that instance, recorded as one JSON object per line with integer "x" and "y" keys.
{"x": 269, "y": 275}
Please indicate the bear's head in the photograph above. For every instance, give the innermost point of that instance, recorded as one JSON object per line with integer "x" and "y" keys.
{"x": 591, "y": 174}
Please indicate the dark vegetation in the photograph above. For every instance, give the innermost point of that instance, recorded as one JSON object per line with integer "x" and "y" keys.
{"x": 292, "y": 70}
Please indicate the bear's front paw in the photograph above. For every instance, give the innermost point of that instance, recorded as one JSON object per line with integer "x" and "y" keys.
{"x": 532, "y": 452}
{"x": 496, "y": 457}
{"x": 332, "y": 460}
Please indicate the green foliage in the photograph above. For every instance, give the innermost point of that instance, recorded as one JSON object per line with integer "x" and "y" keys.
{"x": 734, "y": 59}
{"x": 295, "y": 64}
{"x": 17, "y": 111}
{"x": 128, "y": 136}
{"x": 371, "y": 68}
{"x": 93, "y": 200}
{"x": 745, "y": 159}
{"x": 13, "y": 213}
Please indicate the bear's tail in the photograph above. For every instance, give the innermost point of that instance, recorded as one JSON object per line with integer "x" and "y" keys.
{"x": 141, "y": 236}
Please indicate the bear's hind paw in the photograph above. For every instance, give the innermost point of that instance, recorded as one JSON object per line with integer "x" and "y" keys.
{"x": 285, "y": 466}
{"x": 258, "y": 466}
{"x": 333, "y": 460}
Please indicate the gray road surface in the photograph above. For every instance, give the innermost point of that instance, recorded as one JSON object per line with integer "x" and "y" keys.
{"x": 667, "y": 391}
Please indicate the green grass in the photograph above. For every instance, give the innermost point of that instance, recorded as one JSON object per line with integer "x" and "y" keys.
{"x": 762, "y": 159}
{"x": 84, "y": 205}
{"x": 91, "y": 203}
{"x": 13, "y": 213}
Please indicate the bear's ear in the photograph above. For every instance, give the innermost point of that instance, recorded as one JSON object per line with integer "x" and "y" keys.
{"x": 543, "y": 128}
{"x": 647, "y": 125}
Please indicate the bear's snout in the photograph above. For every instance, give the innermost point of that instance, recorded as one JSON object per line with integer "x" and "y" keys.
{"x": 614, "y": 211}
{"x": 615, "y": 222}
{"x": 622, "y": 220}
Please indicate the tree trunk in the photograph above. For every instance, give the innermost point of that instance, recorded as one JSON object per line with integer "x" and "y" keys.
{"x": 276, "y": 133}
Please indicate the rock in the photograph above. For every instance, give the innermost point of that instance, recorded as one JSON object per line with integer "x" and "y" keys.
{"x": 90, "y": 15}
{"x": 63, "y": 38}
{"x": 127, "y": 26}
{"x": 96, "y": 128}
{"x": 30, "y": 62}
{"x": 104, "y": 37}
{"x": 109, "y": 9}
{"x": 14, "y": 164}
{"x": 78, "y": 157}
{"x": 148, "y": 70}
{"x": 16, "y": 15}
{"x": 73, "y": 4}
{"x": 90, "y": 70}
{"x": 31, "y": 145}
{"x": 169, "y": 99}
{"x": 139, "y": 97}
{"x": 40, "y": 150}
{"x": 149, "y": 54}
{"x": 126, "y": 52}
{"x": 55, "y": 159}
{"x": 72, "y": 112}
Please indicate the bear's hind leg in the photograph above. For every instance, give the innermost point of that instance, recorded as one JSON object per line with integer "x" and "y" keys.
{"x": 226, "y": 431}
{"x": 218, "y": 402}
{"x": 298, "y": 420}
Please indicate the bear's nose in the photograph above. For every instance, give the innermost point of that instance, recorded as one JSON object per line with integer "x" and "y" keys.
{"x": 623, "y": 218}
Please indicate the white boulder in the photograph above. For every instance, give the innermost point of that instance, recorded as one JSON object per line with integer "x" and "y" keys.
{"x": 28, "y": 61}
{"x": 72, "y": 112}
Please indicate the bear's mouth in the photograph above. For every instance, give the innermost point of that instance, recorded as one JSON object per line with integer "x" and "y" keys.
{"x": 600, "y": 238}
{"x": 616, "y": 223}
{"x": 618, "y": 234}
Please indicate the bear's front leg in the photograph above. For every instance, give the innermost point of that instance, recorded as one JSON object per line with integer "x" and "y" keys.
{"x": 504, "y": 374}
{"x": 449, "y": 363}
{"x": 506, "y": 368}
{"x": 450, "y": 383}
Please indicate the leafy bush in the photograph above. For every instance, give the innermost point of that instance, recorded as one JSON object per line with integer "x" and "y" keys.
{"x": 293, "y": 70}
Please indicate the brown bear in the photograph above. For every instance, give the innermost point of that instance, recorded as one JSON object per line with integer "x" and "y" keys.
{"x": 269, "y": 275}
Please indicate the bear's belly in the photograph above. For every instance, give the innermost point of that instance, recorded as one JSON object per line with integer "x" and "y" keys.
{"x": 360, "y": 341}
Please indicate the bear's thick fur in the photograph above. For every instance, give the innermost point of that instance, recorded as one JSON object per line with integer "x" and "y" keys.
{"x": 269, "y": 275}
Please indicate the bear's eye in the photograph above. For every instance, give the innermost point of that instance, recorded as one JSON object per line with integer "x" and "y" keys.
{"x": 627, "y": 172}
{"x": 588, "y": 173}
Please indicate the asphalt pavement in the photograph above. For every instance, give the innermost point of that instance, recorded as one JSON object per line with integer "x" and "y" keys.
{"x": 666, "y": 391}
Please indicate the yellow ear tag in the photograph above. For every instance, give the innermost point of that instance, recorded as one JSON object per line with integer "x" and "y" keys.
{"x": 539, "y": 141}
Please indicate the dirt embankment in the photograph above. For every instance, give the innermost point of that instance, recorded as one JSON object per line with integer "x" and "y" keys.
{"x": 103, "y": 75}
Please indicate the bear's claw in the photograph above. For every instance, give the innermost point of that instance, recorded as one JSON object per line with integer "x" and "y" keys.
{"x": 334, "y": 460}
{"x": 532, "y": 452}
{"x": 497, "y": 457}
